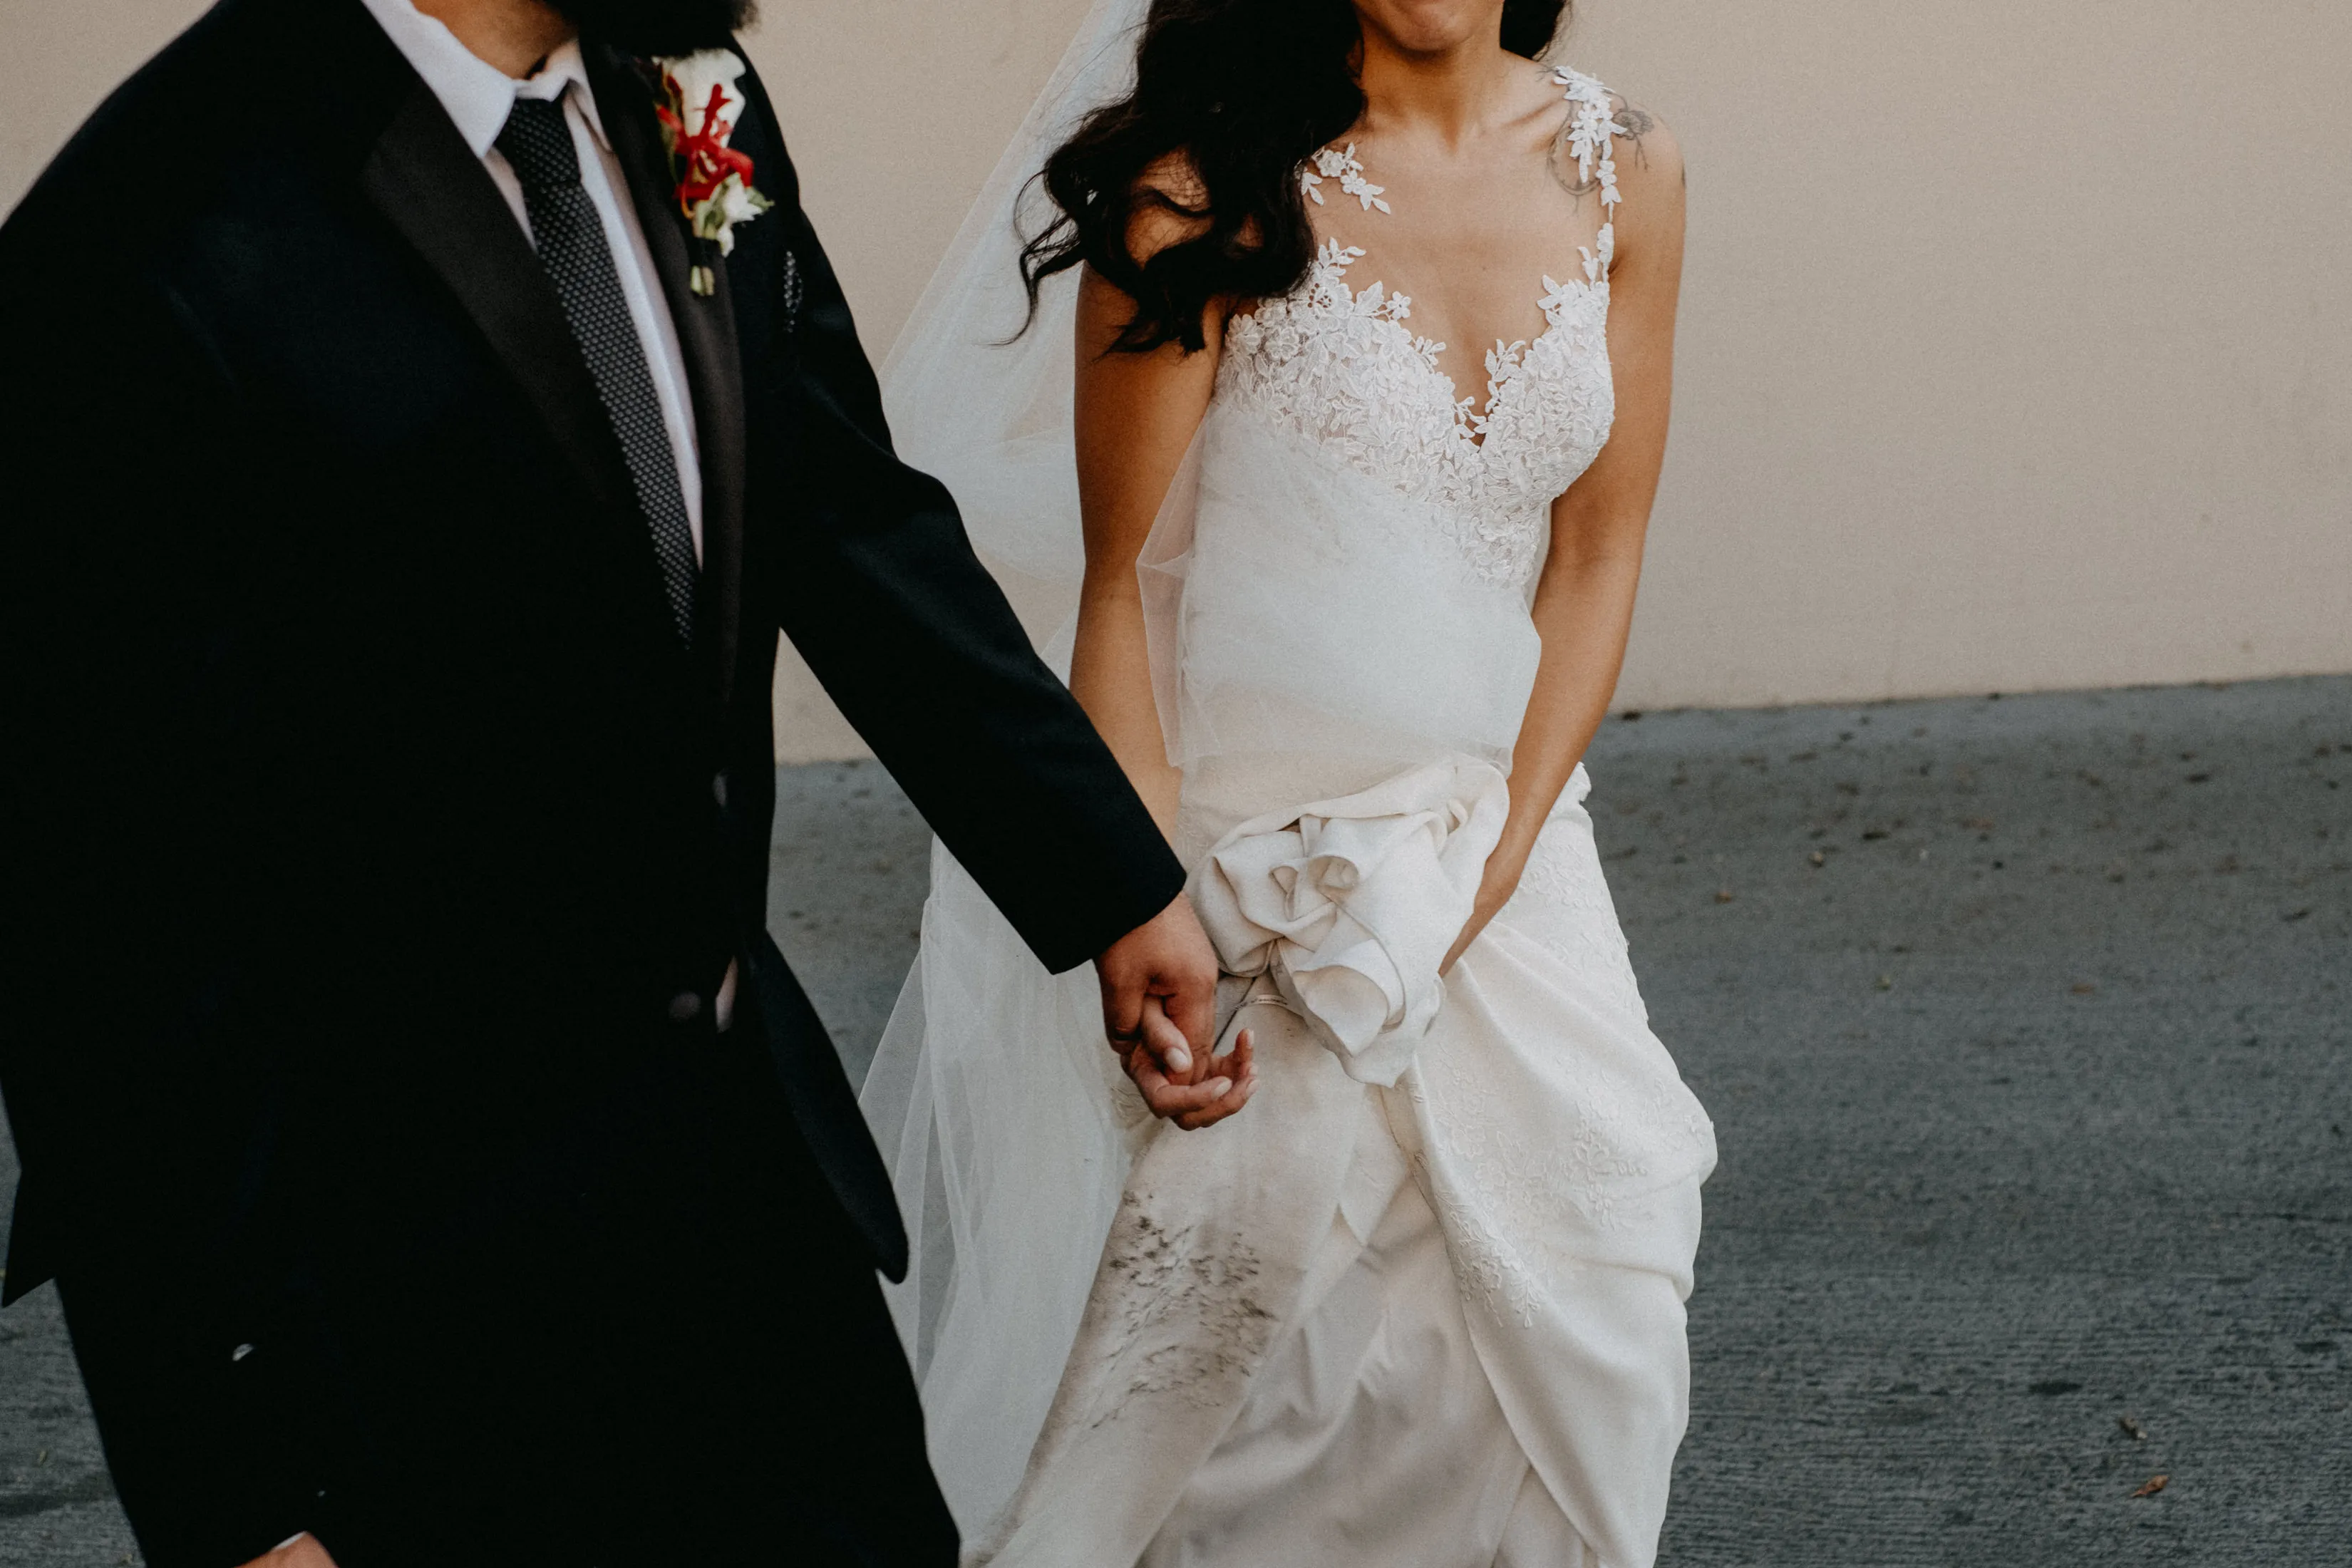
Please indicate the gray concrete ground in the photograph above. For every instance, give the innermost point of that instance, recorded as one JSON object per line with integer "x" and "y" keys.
{"x": 2024, "y": 1023}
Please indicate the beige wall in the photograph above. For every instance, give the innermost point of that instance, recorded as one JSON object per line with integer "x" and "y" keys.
{"x": 2018, "y": 344}
{"x": 63, "y": 57}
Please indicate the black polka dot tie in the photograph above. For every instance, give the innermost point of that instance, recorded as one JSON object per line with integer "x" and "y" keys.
{"x": 571, "y": 239}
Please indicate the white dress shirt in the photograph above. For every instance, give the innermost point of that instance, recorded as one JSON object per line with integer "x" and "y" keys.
{"x": 479, "y": 97}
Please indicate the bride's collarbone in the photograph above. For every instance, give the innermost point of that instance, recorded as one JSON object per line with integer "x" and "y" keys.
{"x": 1469, "y": 228}
{"x": 1470, "y": 249}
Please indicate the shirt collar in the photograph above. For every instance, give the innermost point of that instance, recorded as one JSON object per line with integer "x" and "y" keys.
{"x": 477, "y": 95}
{"x": 566, "y": 70}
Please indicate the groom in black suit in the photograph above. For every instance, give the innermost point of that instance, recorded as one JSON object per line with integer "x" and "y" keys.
{"x": 436, "y": 1159}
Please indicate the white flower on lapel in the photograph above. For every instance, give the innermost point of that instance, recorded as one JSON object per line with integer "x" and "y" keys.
{"x": 714, "y": 181}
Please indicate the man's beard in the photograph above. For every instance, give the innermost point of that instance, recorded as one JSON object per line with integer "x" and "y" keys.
{"x": 659, "y": 26}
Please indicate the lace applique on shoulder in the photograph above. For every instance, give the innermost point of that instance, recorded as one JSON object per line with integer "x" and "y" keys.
{"x": 1332, "y": 163}
{"x": 1592, "y": 132}
{"x": 1592, "y": 129}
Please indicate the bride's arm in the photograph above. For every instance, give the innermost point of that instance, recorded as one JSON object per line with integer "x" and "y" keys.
{"x": 1584, "y": 600}
{"x": 1135, "y": 416}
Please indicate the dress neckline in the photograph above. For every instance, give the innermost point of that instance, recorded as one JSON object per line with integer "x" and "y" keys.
{"x": 1592, "y": 132}
{"x": 1505, "y": 363}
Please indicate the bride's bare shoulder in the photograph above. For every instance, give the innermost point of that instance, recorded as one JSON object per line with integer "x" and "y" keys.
{"x": 1648, "y": 154}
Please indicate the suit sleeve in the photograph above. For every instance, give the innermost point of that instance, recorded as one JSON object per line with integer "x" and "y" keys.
{"x": 873, "y": 578}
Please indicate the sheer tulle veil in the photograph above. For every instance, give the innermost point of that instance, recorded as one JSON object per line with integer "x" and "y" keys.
{"x": 992, "y": 1095}
{"x": 983, "y": 409}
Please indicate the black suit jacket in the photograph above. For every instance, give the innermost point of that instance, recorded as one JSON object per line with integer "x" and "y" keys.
{"x": 364, "y": 817}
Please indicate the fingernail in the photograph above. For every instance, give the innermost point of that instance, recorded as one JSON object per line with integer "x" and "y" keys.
{"x": 1180, "y": 1060}
{"x": 1220, "y": 1087}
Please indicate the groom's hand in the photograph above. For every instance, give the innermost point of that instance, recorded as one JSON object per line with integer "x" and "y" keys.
{"x": 1160, "y": 1010}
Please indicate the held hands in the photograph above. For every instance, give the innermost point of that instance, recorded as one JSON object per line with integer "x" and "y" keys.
{"x": 303, "y": 1552}
{"x": 1160, "y": 1011}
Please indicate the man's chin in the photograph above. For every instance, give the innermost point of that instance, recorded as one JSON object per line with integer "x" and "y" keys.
{"x": 659, "y": 26}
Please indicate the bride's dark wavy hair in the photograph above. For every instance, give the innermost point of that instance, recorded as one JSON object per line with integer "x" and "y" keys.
{"x": 1245, "y": 91}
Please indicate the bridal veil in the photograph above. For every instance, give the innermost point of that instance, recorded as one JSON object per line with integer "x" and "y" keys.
{"x": 992, "y": 1095}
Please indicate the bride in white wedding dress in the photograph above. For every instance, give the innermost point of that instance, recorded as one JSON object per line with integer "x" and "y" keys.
{"x": 1350, "y": 631}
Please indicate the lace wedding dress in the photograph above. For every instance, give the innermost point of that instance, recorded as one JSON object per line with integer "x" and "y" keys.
{"x": 1420, "y": 1303}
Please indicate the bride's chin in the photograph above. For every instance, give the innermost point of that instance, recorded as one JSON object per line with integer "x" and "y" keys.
{"x": 1430, "y": 27}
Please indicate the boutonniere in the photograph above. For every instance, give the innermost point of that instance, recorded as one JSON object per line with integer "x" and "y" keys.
{"x": 714, "y": 181}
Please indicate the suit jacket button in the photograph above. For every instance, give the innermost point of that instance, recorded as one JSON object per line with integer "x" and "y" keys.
{"x": 718, "y": 789}
{"x": 685, "y": 1007}
{"x": 240, "y": 1353}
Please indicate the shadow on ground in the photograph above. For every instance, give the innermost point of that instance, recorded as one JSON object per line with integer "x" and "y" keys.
{"x": 2025, "y": 1027}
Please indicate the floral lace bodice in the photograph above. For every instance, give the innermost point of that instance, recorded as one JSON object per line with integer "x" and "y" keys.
{"x": 1345, "y": 370}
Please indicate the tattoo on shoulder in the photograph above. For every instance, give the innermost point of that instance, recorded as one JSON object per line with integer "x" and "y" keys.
{"x": 1636, "y": 123}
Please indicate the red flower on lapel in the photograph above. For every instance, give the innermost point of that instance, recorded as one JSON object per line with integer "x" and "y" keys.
{"x": 714, "y": 181}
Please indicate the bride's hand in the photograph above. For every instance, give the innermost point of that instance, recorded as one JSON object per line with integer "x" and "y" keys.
{"x": 1495, "y": 890}
{"x": 1210, "y": 1090}
{"x": 1159, "y": 1014}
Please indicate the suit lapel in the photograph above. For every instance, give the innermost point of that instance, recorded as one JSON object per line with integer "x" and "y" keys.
{"x": 705, "y": 338}
{"x": 423, "y": 177}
